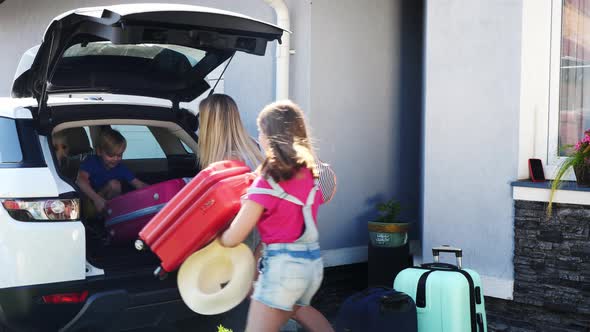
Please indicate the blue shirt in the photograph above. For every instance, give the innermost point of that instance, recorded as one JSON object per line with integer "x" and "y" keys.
{"x": 100, "y": 175}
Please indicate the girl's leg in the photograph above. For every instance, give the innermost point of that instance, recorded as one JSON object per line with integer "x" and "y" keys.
{"x": 311, "y": 319}
{"x": 262, "y": 318}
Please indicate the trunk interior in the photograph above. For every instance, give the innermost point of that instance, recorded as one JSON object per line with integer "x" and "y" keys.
{"x": 156, "y": 151}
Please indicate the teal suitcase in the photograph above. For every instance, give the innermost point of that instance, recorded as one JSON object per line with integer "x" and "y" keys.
{"x": 448, "y": 298}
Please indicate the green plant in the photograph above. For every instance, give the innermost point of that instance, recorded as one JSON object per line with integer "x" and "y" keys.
{"x": 389, "y": 211}
{"x": 220, "y": 328}
{"x": 578, "y": 158}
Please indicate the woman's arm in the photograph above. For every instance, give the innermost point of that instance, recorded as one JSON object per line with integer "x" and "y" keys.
{"x": 242, "y": 225}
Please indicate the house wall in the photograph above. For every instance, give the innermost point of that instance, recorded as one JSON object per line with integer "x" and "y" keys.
{"x": 365, "y": 109}
{"x": 551, "y": 266}
{"x": 471, "y": 105}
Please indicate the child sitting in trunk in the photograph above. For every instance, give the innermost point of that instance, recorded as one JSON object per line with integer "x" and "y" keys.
{"x": 100, "y": 175}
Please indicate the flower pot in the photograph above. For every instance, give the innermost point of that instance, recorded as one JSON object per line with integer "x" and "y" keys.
{"x": 582, "y": 175}
{"x": 388, "y": 234}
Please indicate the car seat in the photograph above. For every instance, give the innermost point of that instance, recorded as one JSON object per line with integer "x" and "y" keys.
{"x": 79, "y": 146}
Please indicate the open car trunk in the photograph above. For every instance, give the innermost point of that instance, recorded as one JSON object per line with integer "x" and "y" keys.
{"x": 162, "y": 51}
{"x": 152, "y": 50}
{"x": 160, "y": 147}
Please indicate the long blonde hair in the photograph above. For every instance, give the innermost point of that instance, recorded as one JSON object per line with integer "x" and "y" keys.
{"x": 222, "y": 135}
{"x": 289, "y": 148}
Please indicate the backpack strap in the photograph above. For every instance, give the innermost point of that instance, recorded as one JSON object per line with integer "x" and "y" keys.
{"x": 272, "y": 192}
{"x": 278, "y": 191}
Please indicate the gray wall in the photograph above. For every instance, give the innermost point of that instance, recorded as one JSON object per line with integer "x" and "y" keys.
{"x": 365, "y": 109}
{"x": 472, "y": 94}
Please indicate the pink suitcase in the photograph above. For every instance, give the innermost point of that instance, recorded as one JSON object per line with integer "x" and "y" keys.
{"x": 127, "y": 214}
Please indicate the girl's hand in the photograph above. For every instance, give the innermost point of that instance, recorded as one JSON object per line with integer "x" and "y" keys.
{"x": 242, "y": 225}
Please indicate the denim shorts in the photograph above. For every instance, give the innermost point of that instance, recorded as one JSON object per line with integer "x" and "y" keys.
{"x": 290, "y": 274}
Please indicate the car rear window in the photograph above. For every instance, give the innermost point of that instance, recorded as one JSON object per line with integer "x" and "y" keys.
{"x": 10, "y": 151}
{"x": 19, "y": 144}
{"x": 146, "y": 51}
{"x": 141, "y": 143}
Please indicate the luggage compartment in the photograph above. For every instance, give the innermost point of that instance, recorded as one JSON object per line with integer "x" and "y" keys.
{"x": 448, "y": 298}
{"x": 377, "y": 309}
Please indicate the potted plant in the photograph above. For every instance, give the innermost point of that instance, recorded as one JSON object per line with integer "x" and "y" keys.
{"x": 387, "y": 230}
{"x": 579, "y": 160}
{"x": 222, "y": 328}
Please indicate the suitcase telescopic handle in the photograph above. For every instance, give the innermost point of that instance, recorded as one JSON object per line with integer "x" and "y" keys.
{"x": 446, "y": 248}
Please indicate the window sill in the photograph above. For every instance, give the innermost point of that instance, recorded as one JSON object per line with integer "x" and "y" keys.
{"x": 568, "y": 193}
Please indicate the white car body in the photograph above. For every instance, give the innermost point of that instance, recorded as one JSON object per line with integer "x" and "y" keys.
{"x": 43, "y": 260}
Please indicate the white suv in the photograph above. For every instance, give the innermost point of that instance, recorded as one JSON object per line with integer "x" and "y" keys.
{"x": 56, "y": 270}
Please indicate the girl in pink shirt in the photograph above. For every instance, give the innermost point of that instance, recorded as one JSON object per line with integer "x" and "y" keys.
{"x": 282, "y": 203}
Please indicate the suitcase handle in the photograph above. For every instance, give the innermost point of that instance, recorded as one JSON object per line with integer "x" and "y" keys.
{"x": 446, "y": 248}
{"x": 440, "y": 266}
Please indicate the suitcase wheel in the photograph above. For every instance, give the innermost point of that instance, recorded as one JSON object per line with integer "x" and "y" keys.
{"x": 160, "y": 273}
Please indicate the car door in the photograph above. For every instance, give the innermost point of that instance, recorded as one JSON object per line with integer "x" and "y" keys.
{"x": 153, "y": 50}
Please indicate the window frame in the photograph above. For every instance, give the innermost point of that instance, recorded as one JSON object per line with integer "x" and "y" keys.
{"x": 29, "y": 146}
{"x": 553, "y": 157}
{"x": 540, "y": 79}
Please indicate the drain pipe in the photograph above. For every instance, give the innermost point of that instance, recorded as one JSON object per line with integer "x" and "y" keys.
{"x": 283, "y": 52}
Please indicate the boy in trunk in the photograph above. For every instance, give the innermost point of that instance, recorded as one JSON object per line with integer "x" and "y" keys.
{"x": 100, "y": 175}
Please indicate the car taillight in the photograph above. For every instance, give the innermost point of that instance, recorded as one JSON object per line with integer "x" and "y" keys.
{"x": 65, "y": 298}
{"x": 43, "y": 210}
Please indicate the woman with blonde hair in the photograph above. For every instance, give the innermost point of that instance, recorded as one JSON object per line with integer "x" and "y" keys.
{"x": 222, "y": 135}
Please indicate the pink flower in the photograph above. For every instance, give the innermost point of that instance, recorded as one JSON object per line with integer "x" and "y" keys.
{"x": 578, "y": 146}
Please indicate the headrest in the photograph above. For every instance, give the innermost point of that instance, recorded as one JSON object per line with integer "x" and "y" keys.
{"x": 77, "y": 140}
{"x": 215, "y": 279}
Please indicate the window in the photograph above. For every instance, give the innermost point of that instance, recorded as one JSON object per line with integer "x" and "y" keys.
{"x": 141, "y": 143}
{"x": 146, "y": 51}
{"x": 570, "y": 98}
{"x": 554, "y": 104}
{"x": 10, "y": 150}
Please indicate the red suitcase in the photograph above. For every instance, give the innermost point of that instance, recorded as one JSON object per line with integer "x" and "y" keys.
{"x": 200, "y": 210}
{"x": 127, "y": 214}
{"x": 188, "y": 195}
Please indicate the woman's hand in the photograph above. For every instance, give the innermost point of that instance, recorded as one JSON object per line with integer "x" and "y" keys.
{"x": 242, "y": 224}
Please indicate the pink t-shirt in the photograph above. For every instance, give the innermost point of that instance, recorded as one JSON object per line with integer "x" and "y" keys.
{"x": 282, "y": 221}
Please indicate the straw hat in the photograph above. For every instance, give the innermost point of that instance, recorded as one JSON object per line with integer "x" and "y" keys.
{"x": 215, "y": 279}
